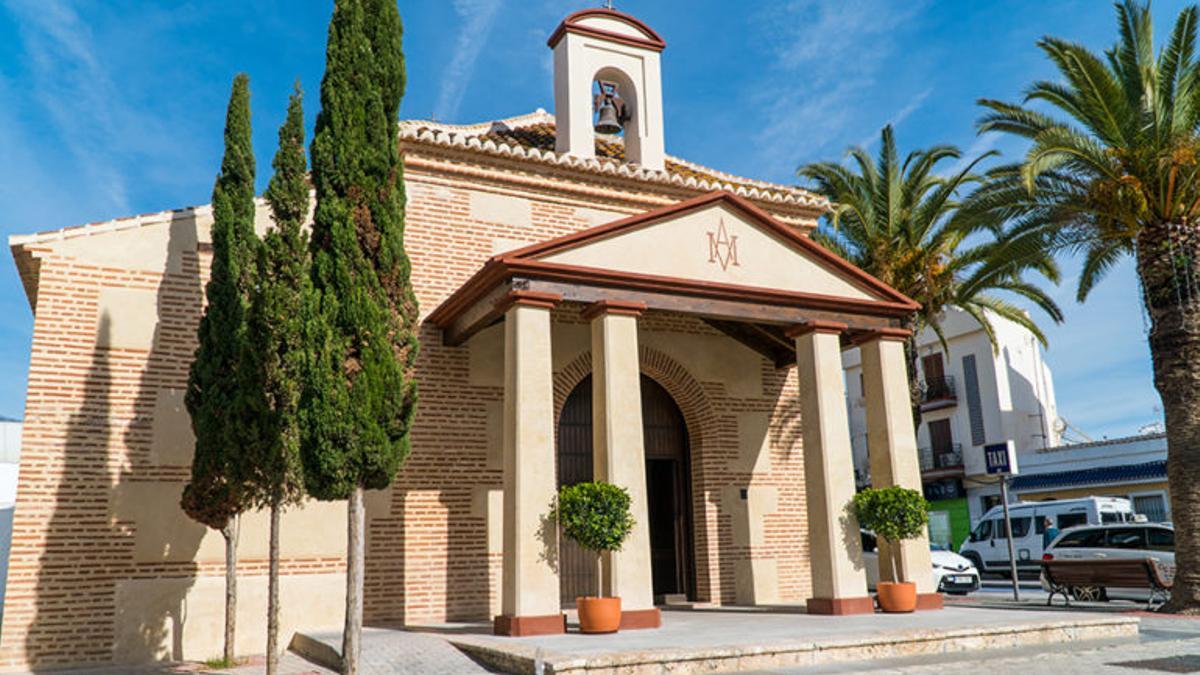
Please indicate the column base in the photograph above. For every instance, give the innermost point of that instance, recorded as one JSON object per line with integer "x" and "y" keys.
{"x": 641, "y": 618}
{"x": 930, "y": 601}
{"x": 521, "y": 626}
{"x": 841, "y": 606}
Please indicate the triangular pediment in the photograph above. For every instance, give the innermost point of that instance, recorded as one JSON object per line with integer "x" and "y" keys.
{"x": 715, "y": 239}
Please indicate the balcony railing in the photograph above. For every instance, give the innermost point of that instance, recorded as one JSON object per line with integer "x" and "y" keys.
{"x": 936, "y": 390}
{"x": 942, "y": 458}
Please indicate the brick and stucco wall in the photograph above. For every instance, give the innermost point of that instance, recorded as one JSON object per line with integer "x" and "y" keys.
{"x": 104, "y": 565}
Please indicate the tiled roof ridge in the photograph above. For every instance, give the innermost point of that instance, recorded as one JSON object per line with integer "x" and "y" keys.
{"x": 470, "y": 137}
{"x": 467, "y": 136}
{"x": 1102, "y": 443}
{"x": 112, "y": 225}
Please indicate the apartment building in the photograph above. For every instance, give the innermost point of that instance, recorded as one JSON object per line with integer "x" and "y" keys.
{"x": 973, "y": 393}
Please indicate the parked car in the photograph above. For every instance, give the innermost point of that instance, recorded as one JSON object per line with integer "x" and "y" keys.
{"x": 987, "y": 547}
{"x": 1101, "y": 542}
{"x": 952, "y": 573}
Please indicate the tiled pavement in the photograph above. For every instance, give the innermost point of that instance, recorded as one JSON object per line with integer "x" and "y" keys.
{"x": 290, "y": 664}
{"x": 396, "y": 651}
{"x": 401, "y": 652}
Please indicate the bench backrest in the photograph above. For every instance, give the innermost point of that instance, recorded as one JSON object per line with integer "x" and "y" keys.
{"x": 1119, "y": 572}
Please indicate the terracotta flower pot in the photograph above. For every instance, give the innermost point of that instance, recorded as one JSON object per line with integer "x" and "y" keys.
{"x": 599, "y": 615}
{"x": 897, "y": 596}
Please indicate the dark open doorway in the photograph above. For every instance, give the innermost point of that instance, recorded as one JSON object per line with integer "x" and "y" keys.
{"x": 668, "y": 491}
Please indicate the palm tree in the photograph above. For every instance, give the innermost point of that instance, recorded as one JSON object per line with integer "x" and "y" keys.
{"x": 1113, "y": 170}
{"x": 896, "y": 220}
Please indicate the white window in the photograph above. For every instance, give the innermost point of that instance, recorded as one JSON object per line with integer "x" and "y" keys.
{"x": 1153, "y": 505}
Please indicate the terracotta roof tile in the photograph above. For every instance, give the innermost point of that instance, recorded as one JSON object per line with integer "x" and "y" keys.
{"x": 541, "y": 136}
{"x": 536, "y": 132}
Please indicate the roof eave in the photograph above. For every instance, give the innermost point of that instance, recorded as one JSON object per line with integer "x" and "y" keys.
{"x": 29, "y": 270}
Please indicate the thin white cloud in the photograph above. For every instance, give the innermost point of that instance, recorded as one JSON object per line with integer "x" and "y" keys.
{"x": 984, "y": 143}
{"x": 74, "y": 88}
{"x": 479, "y": 16}
{"x": 824, "y": 60}
{"x": 896, "y": 120}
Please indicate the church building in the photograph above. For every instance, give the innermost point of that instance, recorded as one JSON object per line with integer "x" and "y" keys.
{"x": 591, "y": 308}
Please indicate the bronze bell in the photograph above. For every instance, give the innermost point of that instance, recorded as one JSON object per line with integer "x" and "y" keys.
{"x": 607, "y": 122}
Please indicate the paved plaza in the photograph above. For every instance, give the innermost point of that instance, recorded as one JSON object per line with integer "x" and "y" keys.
{"x": 1158, "y": 637}
{"x": 725, "y": 639}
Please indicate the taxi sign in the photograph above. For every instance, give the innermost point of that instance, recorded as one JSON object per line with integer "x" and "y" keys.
{"x": 1001, "y": 458}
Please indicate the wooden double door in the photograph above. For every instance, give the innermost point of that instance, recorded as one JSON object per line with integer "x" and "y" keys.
{"x": 668, "y": 491}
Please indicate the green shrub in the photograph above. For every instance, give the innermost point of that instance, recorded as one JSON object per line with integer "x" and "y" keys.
{"x": 594, "y": 515}
{"x": 892, "y": 513}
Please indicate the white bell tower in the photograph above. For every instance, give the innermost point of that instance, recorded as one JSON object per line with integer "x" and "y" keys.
{"x": 606, "y": 46}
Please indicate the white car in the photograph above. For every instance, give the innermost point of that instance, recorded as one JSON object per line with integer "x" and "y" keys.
{"x": 1127, "y": 540}
{"x": 952, "y": 573}
{"x": 987, "y": 547}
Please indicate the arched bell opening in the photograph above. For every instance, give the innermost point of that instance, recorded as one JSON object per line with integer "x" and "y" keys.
{"x": 616, "y": 110}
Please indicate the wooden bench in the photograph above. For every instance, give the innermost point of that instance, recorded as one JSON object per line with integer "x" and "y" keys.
{"x": 1146, "y": 573}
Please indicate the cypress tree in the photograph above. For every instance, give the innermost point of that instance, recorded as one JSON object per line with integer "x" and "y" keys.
{"x": 361, "y": 396}
{"x": 215, "y": 496}
{"x": 275, "y": 351}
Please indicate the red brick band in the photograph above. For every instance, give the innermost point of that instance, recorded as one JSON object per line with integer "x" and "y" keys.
{"x": 641, "y": 618}
{"x": 841, "y": 606}
{"x": 520, "y": 626}
{"x": 649, "y": 40}
{"x": 528, "y": 299}
{"x": 617, "y": 307}
{"x": 887, "y": 334}
{"x": 817, "y": 326}
{"x": 930, "y": 601}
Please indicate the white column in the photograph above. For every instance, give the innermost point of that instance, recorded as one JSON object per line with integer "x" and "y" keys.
{"x": 892, "y": 445}
{"x": 618, "y": 445}
{"x": 530, "y": 591}
{"x": 838, "y": 578}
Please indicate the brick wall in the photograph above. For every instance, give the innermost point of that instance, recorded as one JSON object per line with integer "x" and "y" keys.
{"x": 97, "y": 530}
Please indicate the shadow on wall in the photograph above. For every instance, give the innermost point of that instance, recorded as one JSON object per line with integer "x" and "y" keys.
{"x": 115, "y": 567}
{"x": 1028, "y": 400}
{"x": 151, "y": 609}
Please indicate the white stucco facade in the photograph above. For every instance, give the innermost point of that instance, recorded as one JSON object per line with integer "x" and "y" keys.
{"x": 10, "y": 456}
{"x": 1133, "y": 467}
{"x": 1008, "y": 393}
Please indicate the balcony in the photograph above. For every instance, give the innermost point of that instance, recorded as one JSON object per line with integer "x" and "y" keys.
{"x": 942, "y": 461}
{"x": 938, "y": 392}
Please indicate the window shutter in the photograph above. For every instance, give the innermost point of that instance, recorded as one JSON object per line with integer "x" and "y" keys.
{"x": 974, "y": 404}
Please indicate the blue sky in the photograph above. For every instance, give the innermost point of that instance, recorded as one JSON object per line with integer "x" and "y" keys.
{"x": 113, "y": 108}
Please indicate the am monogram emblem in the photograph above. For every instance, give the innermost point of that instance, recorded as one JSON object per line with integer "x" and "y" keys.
{"x": 722, "y": 248}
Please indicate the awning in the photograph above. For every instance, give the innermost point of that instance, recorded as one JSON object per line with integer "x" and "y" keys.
{"x": 1128, "y": 473}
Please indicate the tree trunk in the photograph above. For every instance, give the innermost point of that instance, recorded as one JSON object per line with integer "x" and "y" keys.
{"x": 914, "y": 382}
{"x": 892, "y": 550}
{"x": 273, "y": 594}
{"x": 230, "y": 532}
{"x": 352, "y": 634}
{"x": 1168, "y": 261}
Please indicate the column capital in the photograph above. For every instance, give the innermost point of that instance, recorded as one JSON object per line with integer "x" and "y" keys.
{"x": 885, "y": 334}
{"x": 617, "y": 307}
{"x": 816, "y": 326}
{"x": 528, "y": 299}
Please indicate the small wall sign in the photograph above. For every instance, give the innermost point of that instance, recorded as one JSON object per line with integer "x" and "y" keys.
{"x": 1001, "y": 458}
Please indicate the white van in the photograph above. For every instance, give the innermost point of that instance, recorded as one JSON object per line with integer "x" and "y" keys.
{"x": 987, "y": 547}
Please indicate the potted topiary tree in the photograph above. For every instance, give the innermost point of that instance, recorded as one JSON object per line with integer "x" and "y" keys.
{"x": 894, "y": 514}
{"x": 596, "y": 516}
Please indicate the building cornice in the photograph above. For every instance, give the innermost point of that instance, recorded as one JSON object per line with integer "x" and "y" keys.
{"x": 452, "y": 140}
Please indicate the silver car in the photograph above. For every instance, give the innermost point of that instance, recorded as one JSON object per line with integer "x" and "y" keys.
{"x": 1124, "y": 540}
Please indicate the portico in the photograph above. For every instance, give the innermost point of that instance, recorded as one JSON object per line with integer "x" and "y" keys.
{"x": 761, "y": 284}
